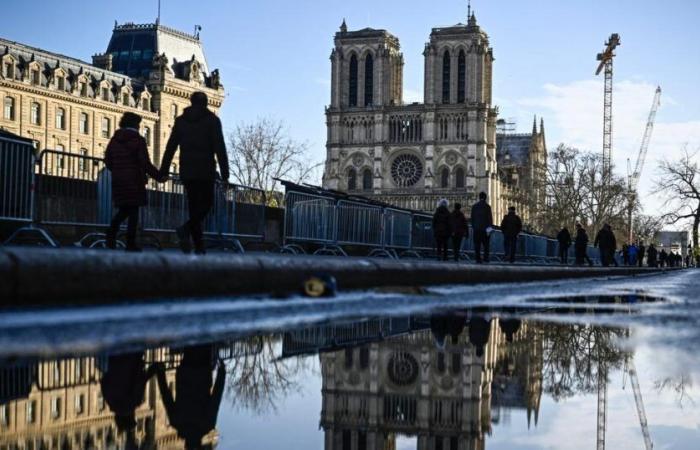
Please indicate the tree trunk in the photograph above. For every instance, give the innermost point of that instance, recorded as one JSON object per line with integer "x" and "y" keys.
{"x": 696, "y": 225}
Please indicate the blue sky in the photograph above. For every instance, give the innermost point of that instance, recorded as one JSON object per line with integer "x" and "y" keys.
{"x": 273, "y": 57}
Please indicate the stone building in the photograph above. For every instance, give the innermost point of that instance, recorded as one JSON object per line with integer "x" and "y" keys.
{"x": 58, "y": 404}
{"x": 438, "y": 390}
{"x": 412, "y": 155}
{"x": 66, "y": 104}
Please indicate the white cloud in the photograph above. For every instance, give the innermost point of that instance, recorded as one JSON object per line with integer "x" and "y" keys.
{"x": 573, "y": 114}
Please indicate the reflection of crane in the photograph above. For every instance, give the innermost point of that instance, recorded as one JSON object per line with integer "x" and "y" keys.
{"x": 606, "y": 61}
{"x": 633, "y": 177}
{"x": 640, "y": 405}
{"x": 602, "y": 404}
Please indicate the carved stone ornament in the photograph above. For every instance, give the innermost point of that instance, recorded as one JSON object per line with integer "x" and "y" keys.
{"x": 451, "y": 159}
{"x": 357, "y": 160}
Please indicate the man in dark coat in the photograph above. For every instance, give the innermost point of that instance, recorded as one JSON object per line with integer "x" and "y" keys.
{"x": 564, "y": 239}
{"x": 581, "y": 246}
{"x": 442, "y": 229}
{"x": 606, "y": 243}
{"x": 663, "y": 256}
{"x": 482, "y": 220}
{"x": 641, "y": 254}
{"x": 198, "y": 134}
{"x": 127, "y": 159}
{"x": 460, "y": 229}
{"x": 511, "y": 226}
{"x": 651, "y": 256}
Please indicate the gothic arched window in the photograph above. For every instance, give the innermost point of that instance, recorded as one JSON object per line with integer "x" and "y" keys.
{"x": 352, "y": 180}
{"x": 445, "y": 178}
{"x": 352, "y": 99}
{"x": 366, "y": 180}
{"x": 461, "y": 77}
{"x": 369, "y": 80}
{"x": 459, "y": 178}
{"x": 446, "y": 65}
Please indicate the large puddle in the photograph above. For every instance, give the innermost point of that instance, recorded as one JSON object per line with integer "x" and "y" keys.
{"x": 457, "y": 379}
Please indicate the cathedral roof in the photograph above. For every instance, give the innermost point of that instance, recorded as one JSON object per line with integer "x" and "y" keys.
{"x": 133, "y": 46}
{"x": 513, "y": 149}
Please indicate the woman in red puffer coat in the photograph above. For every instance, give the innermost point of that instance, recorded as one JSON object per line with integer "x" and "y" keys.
{"x": 127, "y": 158}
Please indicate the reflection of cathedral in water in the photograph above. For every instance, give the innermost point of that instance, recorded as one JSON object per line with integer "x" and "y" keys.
{"x": 444, "y": 386}
{"x": 114, "y": 402}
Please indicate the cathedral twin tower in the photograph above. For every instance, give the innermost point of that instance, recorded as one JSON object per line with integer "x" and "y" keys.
{"x": 412, "y": 155}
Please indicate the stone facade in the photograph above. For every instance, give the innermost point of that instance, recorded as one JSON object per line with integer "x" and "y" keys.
{"x": 412, "y": 155}
{"x": 66, "y": 104}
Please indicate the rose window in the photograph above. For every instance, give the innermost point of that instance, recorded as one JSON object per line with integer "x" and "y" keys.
{"x": 406, "y": 170}
{"x": 403, "y": 368}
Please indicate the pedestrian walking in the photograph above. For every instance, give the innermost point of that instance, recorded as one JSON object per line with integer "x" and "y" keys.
{"x": 198, "y": 134}
{"x": 442, "y": 229}
{"x": 482, "y": 223}
{"x": 632, "y": 252}
{"x": 663, "y": 258}
{"x": 564, "y": 239}
{"x": 581, "y": 246}
{"x": 641, "y": 254}
{"x": 127, "y": 159}
{"x": 606, "y": 243}
{"x": 460, "y": 229}
{"x": 511, "y": 226}
{"x": 652, "y": 254}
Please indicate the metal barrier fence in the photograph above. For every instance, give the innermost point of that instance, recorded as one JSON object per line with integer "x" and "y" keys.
{"x": 75, "y": 190}
{"x": 17, "y": 161}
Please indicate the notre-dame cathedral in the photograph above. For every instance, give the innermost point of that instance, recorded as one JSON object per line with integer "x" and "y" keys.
{"x": 412, "y": 155}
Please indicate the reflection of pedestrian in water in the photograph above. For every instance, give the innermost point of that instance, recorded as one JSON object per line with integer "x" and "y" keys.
{"x": 446, "y": 325}
{"x": 193, "y": 410}
{"x": 479, "y": 329}
{"x": 123, "y": 389}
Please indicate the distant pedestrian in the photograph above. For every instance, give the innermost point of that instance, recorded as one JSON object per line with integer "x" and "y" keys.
{"x": 198, "y": 134}
{"x": 460, "y": 229}
{"x": 652, "y": 254}
{"x": 127, "y": 159}
{"x": 482, "y": 222}
{"x": 696, "y": 255}
{"x": 632, "y": 252}
{"x": 564, "y": 239}
{"x": 625, "y": 254}
{"x": 663, "y": 258}
{"x": 441, "y": 229}
{"x": 511, "y": 226}
{"x": 641, "y": 254}
{"x": 581, "y": 246}
{"x": 606, "y": 243}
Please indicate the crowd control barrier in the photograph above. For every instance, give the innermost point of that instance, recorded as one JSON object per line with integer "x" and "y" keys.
{"x": 66, "y": 189}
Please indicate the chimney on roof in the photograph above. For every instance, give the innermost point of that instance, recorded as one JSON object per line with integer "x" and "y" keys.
{"x": 102, "y": 61}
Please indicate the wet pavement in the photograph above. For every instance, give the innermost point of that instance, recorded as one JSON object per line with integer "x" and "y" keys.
{"x": 517, "y": 366}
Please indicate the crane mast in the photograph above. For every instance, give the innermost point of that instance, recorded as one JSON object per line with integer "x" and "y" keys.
{"x": 640, "y": 406}
{"x": 633, "y": 181}
{"x": 606, "y": 62}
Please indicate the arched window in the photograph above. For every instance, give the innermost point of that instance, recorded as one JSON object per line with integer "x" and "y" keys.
{"x": 366, "y": 180}
{"x": 9, "y": 108}
{"x": 145, "y": 104}
{"x": 61, "y": 119}
{"x": 446, "y": 65}
{"x": 352, "y": 180}
{"x": 369, "y": 80}
{"x": 445, "y": 178}
{"x": 147, "y": 135}
{"x": 459, "y": 178}
{"x": 352, "y": 100}
{"x": 84, "y": 123}
{"x": 35, "y": 114}
{"x": 461, "y": 77}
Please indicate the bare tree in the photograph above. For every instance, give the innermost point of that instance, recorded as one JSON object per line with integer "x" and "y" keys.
{"x": 576, "y": 192}
{"x": 679, "y": 182}
{"x": 262, "y": 151}
{"x": 645, "y": 227}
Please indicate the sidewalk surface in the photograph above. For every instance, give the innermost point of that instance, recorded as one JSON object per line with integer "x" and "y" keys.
{"x": 34, "y": 276}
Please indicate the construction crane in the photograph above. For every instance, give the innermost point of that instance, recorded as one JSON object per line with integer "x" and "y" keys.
{"x": 606, "y": 62}
{"x": 633, "y": 177}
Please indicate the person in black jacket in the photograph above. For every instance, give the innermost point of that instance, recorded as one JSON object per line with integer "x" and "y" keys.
{"x": 442, "y": 229}
{"x": 198, "y": 134}
{"x": 642, "y": 252}
{"x": 460, "y": 229}
{"x": 651, "y": 256}
{"x": 482, "y": 220}
{"x": 564, "y": 239}
{"x": 511, "y": 226}
{"x": 606, "y": 243}
{"x": 581, "y": 246}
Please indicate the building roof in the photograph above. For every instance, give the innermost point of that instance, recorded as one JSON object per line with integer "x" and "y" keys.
{"x": 513, "y": 149}
{"x": 133, "y": 46}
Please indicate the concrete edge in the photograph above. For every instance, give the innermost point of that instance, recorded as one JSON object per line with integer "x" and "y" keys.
{"x": 58, "y": 277}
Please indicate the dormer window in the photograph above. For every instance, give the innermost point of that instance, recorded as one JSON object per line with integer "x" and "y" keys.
{"x": 36, "y": 77}
{"x": 83, "y": 89}
{"x": 146, "y": 104}
{"x": 105, "y": 94}
{"x": 9, "y": 70}
{"x": 61, "y": 83}
{"x": 125, "y": 99}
